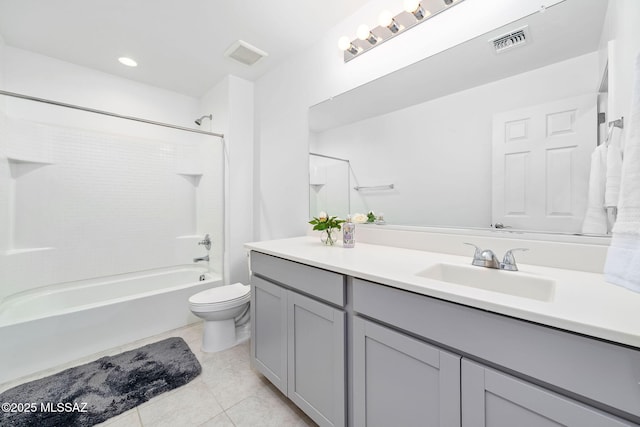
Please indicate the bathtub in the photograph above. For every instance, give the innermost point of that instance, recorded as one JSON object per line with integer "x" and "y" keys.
{"x": 57, "y": 324}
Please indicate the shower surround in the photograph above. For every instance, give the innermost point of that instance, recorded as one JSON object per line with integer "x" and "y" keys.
{"x": 85, "y": 197}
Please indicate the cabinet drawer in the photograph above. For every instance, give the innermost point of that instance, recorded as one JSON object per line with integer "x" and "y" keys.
{"x": 598, "y": 371}
{"x": 319, "y": 283}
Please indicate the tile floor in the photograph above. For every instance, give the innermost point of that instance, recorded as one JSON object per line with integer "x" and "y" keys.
{"x": 227, "y": 393}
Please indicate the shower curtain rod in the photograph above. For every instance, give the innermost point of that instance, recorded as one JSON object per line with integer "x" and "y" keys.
{"x": 329, "y": 157}
{"x": 107, "y": 113}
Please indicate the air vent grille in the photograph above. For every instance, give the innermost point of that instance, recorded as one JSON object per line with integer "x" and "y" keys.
{"x": 243, "y": 52}
{"x": 510, "y": 40}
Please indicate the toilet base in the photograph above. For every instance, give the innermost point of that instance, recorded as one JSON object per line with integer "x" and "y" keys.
{"x": 220, "y": 335}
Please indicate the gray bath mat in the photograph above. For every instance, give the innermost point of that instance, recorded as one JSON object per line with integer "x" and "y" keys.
{"x": 92, "y": 393}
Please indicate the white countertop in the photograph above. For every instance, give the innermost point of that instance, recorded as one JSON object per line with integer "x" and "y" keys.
{"x": 582, "y": 302}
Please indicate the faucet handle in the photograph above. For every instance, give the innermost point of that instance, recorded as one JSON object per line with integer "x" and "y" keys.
{"x": 484, "y": 258}
{"x": 509, "y": 261}
{"x": 478, "y": 250}
{"x": 206, "y": 242}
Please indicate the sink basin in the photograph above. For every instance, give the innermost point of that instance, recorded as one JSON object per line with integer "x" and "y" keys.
{"x": 513, "y": 283}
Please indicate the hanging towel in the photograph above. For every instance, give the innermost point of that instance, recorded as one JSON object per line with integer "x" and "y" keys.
{"x": 595, "y": 219}
{"x": 613, "y": 174}
{"x": 623, "y": 258}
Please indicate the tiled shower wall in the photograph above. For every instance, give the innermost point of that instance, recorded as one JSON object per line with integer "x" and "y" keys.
{"x": 80, "y": 201}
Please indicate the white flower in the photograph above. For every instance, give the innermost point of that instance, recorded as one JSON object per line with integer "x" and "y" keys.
{"x": 359, "y": 218}
{"x": 322, "y": 216}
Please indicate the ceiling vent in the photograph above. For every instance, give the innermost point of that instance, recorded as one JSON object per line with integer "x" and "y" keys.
{"x": 510, "y": 40}
{"x": 243, "y": 52}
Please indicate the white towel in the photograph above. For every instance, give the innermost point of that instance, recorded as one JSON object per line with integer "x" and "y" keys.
{"x": 614, "y": 173}
{"x": 595, "y": 218}
{"x": 623, "y": 262}
{"x": 623, "y": 258}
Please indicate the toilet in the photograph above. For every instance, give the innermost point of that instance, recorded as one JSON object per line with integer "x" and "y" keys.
{"x": 225, "y": 311}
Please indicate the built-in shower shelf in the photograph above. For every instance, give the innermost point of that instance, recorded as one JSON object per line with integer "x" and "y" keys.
{"x": 192, "y": 177}
{"x": 26, "y": 159}
{"x": 190, "y": 236}
{"x": 20, "y": 166}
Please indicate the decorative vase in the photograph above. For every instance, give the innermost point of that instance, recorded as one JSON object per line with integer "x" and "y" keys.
{"x": 327, "y": 237}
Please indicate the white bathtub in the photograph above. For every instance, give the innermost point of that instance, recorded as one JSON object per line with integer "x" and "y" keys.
{"x": 57, "y": 324}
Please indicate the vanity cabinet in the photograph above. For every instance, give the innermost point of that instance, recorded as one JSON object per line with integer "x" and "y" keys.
{"x": 494, "y": 399}
{"x": 538, "y": 376}
{"x": 298, "y": 340}
{"x": 269, "y": 331}
{"x": 401, "y": 381}
{"x": 415, "y": 360}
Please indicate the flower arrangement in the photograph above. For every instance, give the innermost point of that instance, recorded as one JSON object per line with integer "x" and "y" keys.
{"x": 371, "y": 217}
{"x": 359, "y": 218}
{"x": 326, "y": 224}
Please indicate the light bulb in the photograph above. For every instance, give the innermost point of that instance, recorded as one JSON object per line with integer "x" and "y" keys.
{"x": 385, "y": 18}
{"x": 363, "y": 32}
{"x": 411, "y": 5}
{"x": 344, "y": 43}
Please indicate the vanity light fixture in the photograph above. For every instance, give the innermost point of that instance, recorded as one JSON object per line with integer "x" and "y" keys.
{"x": 364, "y": 33}
{"x": 390, "y": 26}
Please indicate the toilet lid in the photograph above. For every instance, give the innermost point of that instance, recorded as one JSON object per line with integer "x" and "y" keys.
{"x": 220, "y": 294}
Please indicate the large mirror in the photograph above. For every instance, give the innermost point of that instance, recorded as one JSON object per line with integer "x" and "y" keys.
{"x": 473, "y": 137}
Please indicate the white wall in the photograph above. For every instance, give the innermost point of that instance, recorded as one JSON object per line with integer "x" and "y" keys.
{"x": 240, "y": 147}
{"x": 2, "y": 46}
{"x": 231, "y": 102}
{"x": 90, "y": 195}
{"x": 281, "y": 180}
{"x": 4, "y": 165}
{"x": 620, "y": 45}
{"x": 436, "y": 153}
{"x": 215, "y": 101}
{"x": 284, "y": 95}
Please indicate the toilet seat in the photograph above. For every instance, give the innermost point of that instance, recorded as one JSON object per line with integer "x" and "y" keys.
{"x": 221, "y": 297}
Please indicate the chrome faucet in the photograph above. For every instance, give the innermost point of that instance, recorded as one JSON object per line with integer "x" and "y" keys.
{"x": 206, "y": 242}
{"x": 509, "y": 262}
{"x": 202, "y": 258}
{"x": 486, "y": 258}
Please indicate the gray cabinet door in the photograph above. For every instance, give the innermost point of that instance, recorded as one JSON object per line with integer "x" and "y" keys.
{"x": 494, "y": 399}
{"x": 317, "y": 380}
{"x": 401, "y": 381}
{"x": 269, "y": 331}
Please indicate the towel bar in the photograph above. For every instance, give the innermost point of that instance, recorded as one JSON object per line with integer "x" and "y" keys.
{"x": 374, "y": 187}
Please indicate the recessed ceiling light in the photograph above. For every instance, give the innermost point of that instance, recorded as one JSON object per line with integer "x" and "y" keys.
{"x": 127, "y": 61}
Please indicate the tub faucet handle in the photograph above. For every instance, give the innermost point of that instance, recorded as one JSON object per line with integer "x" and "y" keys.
{"x": 206, "y": 242}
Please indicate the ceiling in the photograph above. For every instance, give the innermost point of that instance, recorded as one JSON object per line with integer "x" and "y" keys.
{"x": 179, "y": 45}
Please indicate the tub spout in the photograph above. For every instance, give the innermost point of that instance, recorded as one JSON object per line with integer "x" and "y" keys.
{"x": 202, "y": 258}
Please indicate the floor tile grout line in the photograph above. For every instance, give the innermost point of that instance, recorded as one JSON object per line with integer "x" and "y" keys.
{"x": 139, "y": 417}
